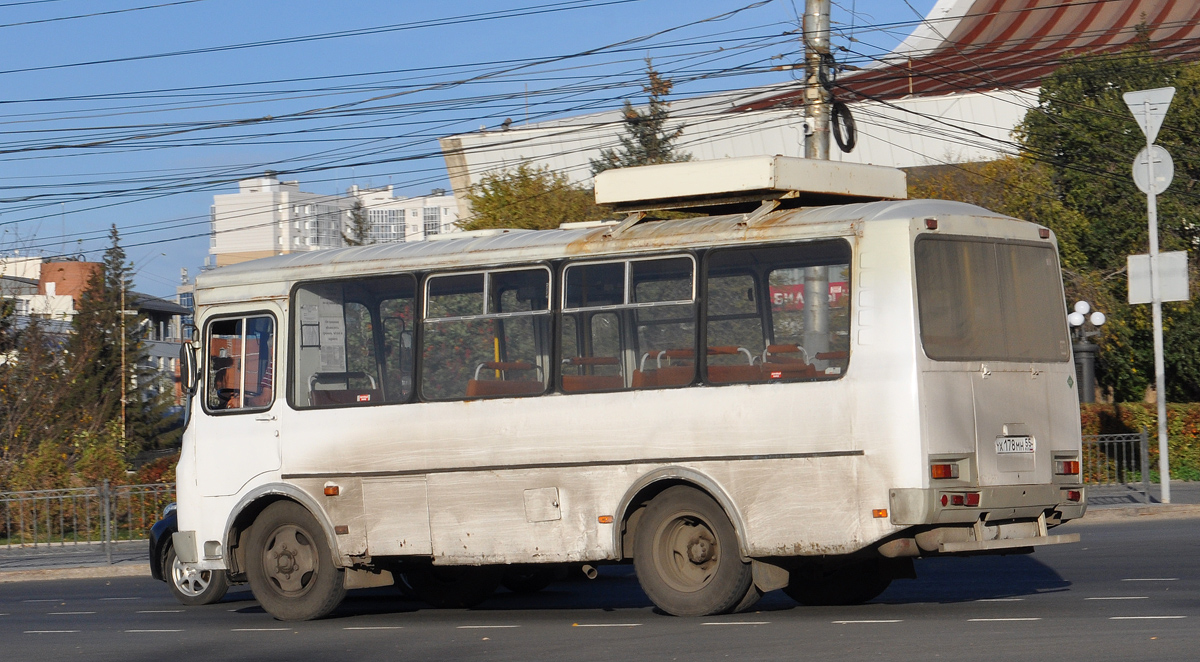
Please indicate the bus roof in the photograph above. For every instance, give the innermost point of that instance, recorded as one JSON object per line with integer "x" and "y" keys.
{"x": 534, "y": 245}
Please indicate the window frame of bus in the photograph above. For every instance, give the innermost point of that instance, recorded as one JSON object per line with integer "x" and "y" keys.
{"x": 243, "y": 316}
{"x": 420, "y": 338}
{"x": 293, "y": 339}
{"x": 627, "y": 304}
{"x": 766, "y": 315}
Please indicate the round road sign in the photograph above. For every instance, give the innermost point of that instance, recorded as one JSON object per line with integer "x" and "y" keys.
{"x": 1164, "y": 170}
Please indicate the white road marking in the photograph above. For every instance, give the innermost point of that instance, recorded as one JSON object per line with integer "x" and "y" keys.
{"x": 894, "y": 620}
{"x": 996, "y": 620}
{"x": 375, "y": 627}
{"x": 135, "y": 598}
{"x": 135, "y": 631}
{"x": 261, "y": 630}
{"x": 1000, "y": 600}
{"x": 486, "y": 627}
{"x": 1122, "y": 597}
{"x": 160, "y": 611}
{"x": 1143, "y": 618}
{"x": 69, "y": 613}
{"x": 738, "y": 623}
{"x": 50, "y": 631}
{"x": 605, "y": 625}
{"x": 42, "y": 600}
{"x": 1152, "y": 579}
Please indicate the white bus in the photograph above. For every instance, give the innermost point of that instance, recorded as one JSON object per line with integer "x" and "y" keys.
{"x": 801, "y": 397}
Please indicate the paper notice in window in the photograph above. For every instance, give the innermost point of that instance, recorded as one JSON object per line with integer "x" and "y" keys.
{"x": 333, "y": 345}
{"x": 310, "y": 314}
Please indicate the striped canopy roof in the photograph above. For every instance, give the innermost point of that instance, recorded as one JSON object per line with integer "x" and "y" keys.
{"x": 980, "y": 45}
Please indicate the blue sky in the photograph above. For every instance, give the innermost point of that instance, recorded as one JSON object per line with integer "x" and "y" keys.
{"x": 100, "y": 125}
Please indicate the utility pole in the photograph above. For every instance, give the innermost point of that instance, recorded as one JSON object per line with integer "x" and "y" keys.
{"x": 817, "y": 100}
{"x": 123, "y": 384}
{"x": 817, "y": 104}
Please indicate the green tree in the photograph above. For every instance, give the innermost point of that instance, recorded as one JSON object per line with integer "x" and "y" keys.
{"x": 359, "y": 228}
{"x": 1086, "y": 135}
{"x": 646, "y": 140}
{"x": 529, "y": 197}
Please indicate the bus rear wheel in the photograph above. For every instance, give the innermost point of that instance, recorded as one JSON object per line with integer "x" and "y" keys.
{"x": 847, "y": 584}
{"x": 686, "y": 556}
{"x": 290, "y": 566}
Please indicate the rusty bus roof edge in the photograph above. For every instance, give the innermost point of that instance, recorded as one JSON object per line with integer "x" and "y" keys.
{"x": 537, "y": 245}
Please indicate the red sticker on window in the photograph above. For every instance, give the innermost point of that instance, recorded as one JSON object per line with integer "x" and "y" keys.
{"x": 365, "y": 397}
{"x": 776, "y": 374}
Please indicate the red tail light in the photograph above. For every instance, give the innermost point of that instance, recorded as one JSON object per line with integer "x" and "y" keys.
{"x": 1074, "y": 495}
{"x": 967, "y": 499}
{"x": 973, "y": 499}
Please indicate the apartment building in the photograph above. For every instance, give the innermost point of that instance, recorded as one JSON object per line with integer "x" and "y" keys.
{"x": 272, "y": 217}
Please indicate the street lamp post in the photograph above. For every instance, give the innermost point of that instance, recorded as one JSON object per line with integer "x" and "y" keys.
{"x": 1085, "y": 350}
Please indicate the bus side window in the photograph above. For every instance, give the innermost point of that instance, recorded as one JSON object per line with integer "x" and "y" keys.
{"x": 350, "y": 342}
{"x": 735, "y": 329}
{"x": 628, "y": 324}
{"x": 241, "y": 364}
{"x": 486, "y": 334}
{"x": 665, "y": 319}
{"x": 778, "y": 313}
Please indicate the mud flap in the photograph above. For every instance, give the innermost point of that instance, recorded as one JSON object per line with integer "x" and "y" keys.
{"x": 768, "y": 577}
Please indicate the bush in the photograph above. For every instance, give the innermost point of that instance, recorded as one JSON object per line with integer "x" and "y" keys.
{"x": 1183, "y": 431}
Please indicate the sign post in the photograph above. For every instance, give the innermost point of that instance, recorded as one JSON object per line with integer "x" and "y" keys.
{"x": 1149, "y": 107}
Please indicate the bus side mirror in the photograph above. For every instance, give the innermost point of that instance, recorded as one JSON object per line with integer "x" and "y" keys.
{"x": 187, "y": 368}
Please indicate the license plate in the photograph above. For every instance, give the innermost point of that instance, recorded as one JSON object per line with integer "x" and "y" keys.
{"x": 1015, "y": 444}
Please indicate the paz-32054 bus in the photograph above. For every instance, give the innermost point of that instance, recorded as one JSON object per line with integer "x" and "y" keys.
{"x": 786, "y": 396}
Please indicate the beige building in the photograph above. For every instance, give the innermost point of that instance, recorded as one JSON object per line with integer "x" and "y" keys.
{"x": 270, "y": 217}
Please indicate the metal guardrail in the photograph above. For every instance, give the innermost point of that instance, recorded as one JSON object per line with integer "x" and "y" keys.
{"x": 82, "y": 515}
{"x": 1118, "y": 460}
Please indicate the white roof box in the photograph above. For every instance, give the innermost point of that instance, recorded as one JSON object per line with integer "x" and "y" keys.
{"x": 747, "y": 180}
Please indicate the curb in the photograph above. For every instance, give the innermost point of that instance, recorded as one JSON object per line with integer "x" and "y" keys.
{"x": 1129, "y": 513}
{"x": 95, "y": 572}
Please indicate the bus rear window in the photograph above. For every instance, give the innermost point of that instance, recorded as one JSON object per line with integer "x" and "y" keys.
{"x": 986, "y": 300}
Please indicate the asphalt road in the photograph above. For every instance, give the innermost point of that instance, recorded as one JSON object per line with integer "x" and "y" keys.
{"x": 1130, "y": 590}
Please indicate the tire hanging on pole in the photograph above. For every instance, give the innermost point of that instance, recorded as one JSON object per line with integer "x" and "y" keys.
{"x": 841, "y": 120}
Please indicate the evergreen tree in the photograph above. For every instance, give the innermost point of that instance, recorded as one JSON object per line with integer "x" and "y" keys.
{"x": 99, "y": 356}
{"x": 359, "y": 227}
{"x": 647, "y": 141}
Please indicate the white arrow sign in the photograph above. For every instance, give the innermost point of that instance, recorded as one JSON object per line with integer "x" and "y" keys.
{"x": 1149, "y": 107}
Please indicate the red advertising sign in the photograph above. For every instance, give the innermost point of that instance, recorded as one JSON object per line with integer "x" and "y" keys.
{"x": 791, "y": 297}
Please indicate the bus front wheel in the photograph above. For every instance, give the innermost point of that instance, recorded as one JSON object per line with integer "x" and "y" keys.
{"x": 686, "y": 555}
{"x": 290, "y": 566}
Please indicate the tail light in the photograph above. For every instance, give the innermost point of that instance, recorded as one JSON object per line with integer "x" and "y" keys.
{"x": 943, "y": 471}
{"x": 1066, "y": 467}
{"x": 970, "y": 499}
{"x": 1074, "y": 495}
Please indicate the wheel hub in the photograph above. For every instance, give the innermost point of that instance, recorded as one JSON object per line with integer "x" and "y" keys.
{"x": 285, "y": 561}
{"x": 700, "y": 550}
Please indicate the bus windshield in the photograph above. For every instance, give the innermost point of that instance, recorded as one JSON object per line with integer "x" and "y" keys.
{"x": 989, "y": 300}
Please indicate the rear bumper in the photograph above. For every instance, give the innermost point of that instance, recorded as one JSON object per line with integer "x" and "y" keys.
{"x": 916, "y": 506}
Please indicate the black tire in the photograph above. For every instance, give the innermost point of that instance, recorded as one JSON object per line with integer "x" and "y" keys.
{"x": 846, "y": 584}
{"x": 290, "y": 566}
{"x": 529, "y": 579}
{"x": 452, "y": 587}
{"x": 686, "y": 556}
{"x": 196, "y": 587}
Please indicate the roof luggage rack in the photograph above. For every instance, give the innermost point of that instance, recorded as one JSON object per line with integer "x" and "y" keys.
{"x": 742, "y": 185}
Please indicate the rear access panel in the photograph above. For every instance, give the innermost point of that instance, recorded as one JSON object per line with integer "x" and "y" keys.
{"x": 1012, "y": 427}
